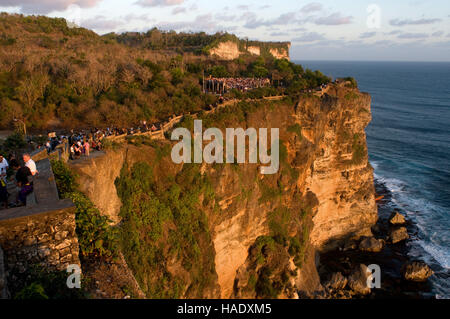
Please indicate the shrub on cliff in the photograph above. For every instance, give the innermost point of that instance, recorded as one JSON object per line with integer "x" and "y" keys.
{"x": 162, "y": 223}
{"x": 95, "y": 235}
{"x": 41, "y": 283}
{"x": 358, "y": 150}
{"x": 353, "y": 83}
{"x": 33, "y": 291}
{"x": 65, "y": 179}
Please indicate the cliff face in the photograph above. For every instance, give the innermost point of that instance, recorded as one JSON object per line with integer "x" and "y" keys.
{"x": 229, "y": 50}
{"x": 341, "y": 177}
{"x": 226, "y": 50}
{"x": 265, "y": 229}
{"x": 280, "y": 53}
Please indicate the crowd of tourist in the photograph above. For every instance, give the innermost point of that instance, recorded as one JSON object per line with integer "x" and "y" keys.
{"x": 21, "y": 175}
{"x": 81, "y": 143}
{"x": 241, "y": 84}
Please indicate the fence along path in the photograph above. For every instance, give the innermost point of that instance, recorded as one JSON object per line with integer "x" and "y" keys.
{"x": 159, "y": 134}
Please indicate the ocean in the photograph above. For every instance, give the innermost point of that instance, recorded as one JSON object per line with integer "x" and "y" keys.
{"x": 408, "y": 141}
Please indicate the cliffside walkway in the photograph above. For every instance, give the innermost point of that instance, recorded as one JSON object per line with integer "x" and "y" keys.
{"x": 45, "y": 196}
{"x": 166, "y": 126}
{"x": 41, "y": 233}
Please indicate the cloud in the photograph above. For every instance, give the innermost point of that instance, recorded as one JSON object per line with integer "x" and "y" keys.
{"x": 400, "y": 23}
{"x": 301, "y": 29}
{"x": 367, "y": 35}
{"x": 204, "y": 22}
{"x": 243, "y": 7}
{"x": 225, "y": 17}
{"x": 279, "y": 34}
{"x": 311, "y": 7}
{"x": 394, "y": 32}
{"x": 178, "y": 10}
{"x": 383, "y": 43}
{"x": 253, "y": 23}
{"x": 158, "y": 3}
{"x": 413, "y": 36}
{"x": 46, "y": 6}
{"x": 309, "y": 37}
{"x": 334, "y": 19}
{"x": 437, "y": 34}
{"x": 101, "y": 23}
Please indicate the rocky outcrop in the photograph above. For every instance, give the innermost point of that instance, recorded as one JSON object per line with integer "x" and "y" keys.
{"x": 397, "y": 235}
{"x": 397, "y": 218}
{"x": 417, "y": 271}
{"x": 226, "y": 50}
{"x": 337, "y": 281}
{"x": 340, "y": 175}
{"x": 325, "y": 185}
{"x": 358, "y": 280}
{"x": 254, "y": 50}
{"x": 96, "y": 179}
{"x": 280, "y": 53}
{"x": 230, "y": 50}
{"x": 371, "y": 244}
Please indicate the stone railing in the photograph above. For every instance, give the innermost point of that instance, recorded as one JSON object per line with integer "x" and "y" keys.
{"x": 42, "y": 234}
{"x": 159, "y": 134}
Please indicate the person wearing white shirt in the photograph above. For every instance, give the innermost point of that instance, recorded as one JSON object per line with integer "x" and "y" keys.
{"x": 3, "y": 167}
{"x": 30, "y": 163}
{"x": 3, "y": 188}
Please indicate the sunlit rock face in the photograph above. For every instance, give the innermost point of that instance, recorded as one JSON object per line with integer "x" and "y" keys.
{"x": 325, "y": 181}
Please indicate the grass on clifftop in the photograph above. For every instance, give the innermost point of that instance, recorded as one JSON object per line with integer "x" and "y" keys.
{"x": 164, "y": 229}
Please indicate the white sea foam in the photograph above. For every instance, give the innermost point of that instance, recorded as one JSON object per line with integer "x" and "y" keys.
{"x": 426, "y": 216}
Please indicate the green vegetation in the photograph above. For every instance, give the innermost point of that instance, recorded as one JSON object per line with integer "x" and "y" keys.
{"x": 265, "y": 287}
{"x": 163, "y": 221}
{"x": 95, "y": 235}
{"x": 41, "y": 283}
{"x": 352, "y": 84}
{"x": 91, "y": 87}
{"x": 297, "y": 129}
{"x": 268, "y": 193}
{"x": 358, "y": 150}
{"x": 282, "y": 222}
{"x": 13, "y": 144}
{"x": 351, "y": 96}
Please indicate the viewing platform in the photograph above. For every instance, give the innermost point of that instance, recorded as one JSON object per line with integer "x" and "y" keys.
{"x": 41, "y": 233}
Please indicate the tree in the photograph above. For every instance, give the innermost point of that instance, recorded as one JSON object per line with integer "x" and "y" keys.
{"x": 31, "y": 89}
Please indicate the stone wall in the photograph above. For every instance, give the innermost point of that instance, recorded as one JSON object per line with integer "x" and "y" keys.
{"x": 47, "y": 239}
{"x": 4, "y": 293}
{"x": 42, "y": 234}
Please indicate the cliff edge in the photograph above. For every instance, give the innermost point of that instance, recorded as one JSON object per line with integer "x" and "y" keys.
{"x": 254, "y": 235}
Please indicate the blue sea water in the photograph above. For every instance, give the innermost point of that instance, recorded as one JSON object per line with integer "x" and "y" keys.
{"x": 409, "y": 147}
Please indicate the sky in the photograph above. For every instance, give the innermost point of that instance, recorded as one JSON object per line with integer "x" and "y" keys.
{"x": 401, "y": 30}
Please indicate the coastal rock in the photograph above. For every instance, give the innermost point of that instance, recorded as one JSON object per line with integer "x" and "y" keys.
{"x": 350, "y": 245}
{"x": 398, "y": 234}
{"x": 358, "y": 280}
{"x": 397, "y": 218}
{"x": 371, "y": 244}
{"x": 337, "y": 281}
{"x": 417, "y": 271}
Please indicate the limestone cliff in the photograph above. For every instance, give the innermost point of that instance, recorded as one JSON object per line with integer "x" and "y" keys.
{"x": 230, "y": 50}
{"x": 265, "y": 231}
{"x": 280, "y": 53}
{"x": 226, "y": 50}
